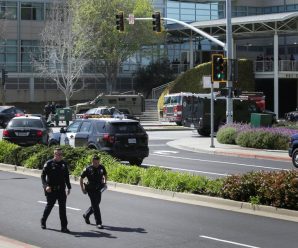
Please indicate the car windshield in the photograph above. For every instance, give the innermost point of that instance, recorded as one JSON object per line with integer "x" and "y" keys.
{"x": 126, "y": 127}
{"x": 25, "y": 123}
{"x": 91, "y": 111}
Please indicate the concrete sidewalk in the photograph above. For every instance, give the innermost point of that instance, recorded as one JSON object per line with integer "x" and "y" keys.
{"x": 11, "y": 243}
{"x": 202, "y": 145}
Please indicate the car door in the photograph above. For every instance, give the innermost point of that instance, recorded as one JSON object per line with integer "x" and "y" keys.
{"x": 68, "y": 138}
{"x": 83, "y": 133}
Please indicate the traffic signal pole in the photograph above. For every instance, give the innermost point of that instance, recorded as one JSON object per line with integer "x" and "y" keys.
{"x": 227, "y": 47}
{"x": 229, "y": 104}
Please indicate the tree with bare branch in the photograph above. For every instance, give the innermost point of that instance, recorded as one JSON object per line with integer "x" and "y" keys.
{"x": 61, "y": 59}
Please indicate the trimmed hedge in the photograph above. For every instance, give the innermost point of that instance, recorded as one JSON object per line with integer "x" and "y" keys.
{"x": 279, "y": 189}
{"x": 260, "y": 138}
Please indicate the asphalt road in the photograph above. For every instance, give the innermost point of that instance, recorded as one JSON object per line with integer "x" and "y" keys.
{"x": 210, "y": 165}
{"x": 133, "y": 221}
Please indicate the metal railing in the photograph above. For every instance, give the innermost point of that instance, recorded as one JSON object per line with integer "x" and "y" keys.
{"x": 268, "y": 65}
{"x": 156, "y": 92}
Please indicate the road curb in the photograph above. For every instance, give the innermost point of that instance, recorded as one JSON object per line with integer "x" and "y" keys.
{"x": 194, "y": 199}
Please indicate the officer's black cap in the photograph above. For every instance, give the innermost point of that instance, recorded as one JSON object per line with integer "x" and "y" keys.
{"x": 95, "y": 157}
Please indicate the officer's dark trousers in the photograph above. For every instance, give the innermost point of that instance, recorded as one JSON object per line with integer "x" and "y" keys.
{"x": 95, "y": 198}
{"x": 51, "y": 200}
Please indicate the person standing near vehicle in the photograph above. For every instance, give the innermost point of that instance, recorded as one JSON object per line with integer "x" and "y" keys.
{"x": 47, "y": 110}
{"x": 55, "y": 178}
{"x": 97, "y": 178}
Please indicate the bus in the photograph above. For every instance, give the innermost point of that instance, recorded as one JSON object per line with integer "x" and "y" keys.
{"x": 128, "y": 104}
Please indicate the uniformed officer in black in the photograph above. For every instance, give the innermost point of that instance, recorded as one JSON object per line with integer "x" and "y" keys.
{"x": 55, "y": 178}
{"x": 97, "y": 178}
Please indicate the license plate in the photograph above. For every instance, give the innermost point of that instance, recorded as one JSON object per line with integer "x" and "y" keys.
{"x": 22, "y": 133}
{"x": 132, "y": 141}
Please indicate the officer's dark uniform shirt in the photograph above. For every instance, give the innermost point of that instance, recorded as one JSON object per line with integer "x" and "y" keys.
{"x": 94, "y": 176}
{"x": 55, "y": 175}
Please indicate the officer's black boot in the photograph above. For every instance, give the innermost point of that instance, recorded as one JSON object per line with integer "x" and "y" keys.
{"x": 86, "y": 218}
{"x": 43, "y": 224}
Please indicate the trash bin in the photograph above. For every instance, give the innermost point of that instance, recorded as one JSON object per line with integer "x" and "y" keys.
{"x": 63, "y": 114}
{"x": 260, "y": 120}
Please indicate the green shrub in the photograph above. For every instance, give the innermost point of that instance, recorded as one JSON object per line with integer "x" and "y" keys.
{"x": 38, "y": 159}
{"x": 25, "y": 152}
{"x": 227, "y": 135}
{"x": 277, "y": 189}
{"x": 262, "y": 140}
{"x": 8, "y": 152}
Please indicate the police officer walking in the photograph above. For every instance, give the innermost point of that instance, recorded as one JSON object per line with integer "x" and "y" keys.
{"x": 97, "y": 178}
{"x": 55, "y": 178}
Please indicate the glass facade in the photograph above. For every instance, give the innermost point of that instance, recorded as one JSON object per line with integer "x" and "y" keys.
{"x": 16, "y": 53}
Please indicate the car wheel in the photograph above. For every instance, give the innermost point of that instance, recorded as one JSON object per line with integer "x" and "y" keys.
{"x": 295, "y": 158}
{"x": 178, "y": 123}
{"x": 136, "y": 161}
{"x": 53, "y": 143}
{"x": 203, "y": 132}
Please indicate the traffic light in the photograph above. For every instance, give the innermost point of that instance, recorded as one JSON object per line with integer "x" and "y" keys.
{"x": 156, "y": 22}
{"x": 120, "y": 21}
{"x": 219, "y": 68}
{"x": 4, "y": 76}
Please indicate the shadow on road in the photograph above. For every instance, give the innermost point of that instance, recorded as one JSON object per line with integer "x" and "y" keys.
{"x": 88, "y": 234}
{"x": 124, "y": 229}
{"x": 101, "y": 234}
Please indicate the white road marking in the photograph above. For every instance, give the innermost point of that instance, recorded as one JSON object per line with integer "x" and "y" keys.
{"x": 220, "y": 162}
{"x": 158, "y": 145}
{"x": 56, "y": 205}
{"x": 227, "y": 241}
{"x": 187, "y": 170}
{"x": 165, "y": 152}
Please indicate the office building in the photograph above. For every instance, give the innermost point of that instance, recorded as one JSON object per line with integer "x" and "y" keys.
{"x": 264, "y": 31}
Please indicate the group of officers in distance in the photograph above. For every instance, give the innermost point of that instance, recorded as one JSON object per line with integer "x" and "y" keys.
{"x": 55, "y": 180}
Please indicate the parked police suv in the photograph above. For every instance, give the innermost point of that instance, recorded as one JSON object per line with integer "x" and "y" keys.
{"x": 124, "y": 139}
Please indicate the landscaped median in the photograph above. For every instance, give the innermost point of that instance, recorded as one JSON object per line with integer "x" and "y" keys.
{"x": 277, "y": 189}
{"x": 274, "y": 138}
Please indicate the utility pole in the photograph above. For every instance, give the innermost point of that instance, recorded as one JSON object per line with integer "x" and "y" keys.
{"x": 229, "y": 111}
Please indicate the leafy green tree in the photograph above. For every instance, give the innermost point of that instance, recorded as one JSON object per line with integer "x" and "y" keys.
{"x": 155, "y": 74}
{"x": 105, "y": 44}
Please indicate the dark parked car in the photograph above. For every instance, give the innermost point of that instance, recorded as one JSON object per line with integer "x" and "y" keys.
{"x": 293, "y": 149}
{"x": 122, "y": 138}
{"x": 292, "y": 116}
{"x": 7, "y": 113}
{"x": 27, "y": 130}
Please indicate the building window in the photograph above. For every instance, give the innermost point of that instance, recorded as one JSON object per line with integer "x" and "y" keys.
{"x": 29, "y": 49}
{"x": 8, "y": 54}
{"x": 32, "y": 11}
{"x": 8, "y": 10}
